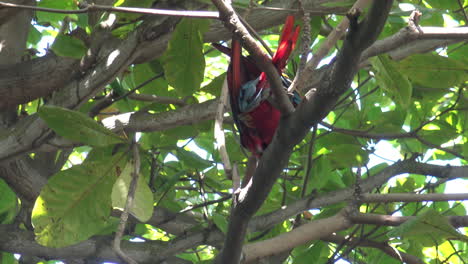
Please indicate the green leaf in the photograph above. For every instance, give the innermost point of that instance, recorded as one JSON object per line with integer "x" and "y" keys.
{"x": 142, "y": 207}
{"x": 392, "y": 81}
{"x": 34, "y": 36}
{"x": 338, "y": 4}
{"x": 444, "y": 4}
{"x": 77, "y": 126}
{"x": 75, "y": 204}
{"x": 434, "y": 71}
{"x": 184, "y": 62}
{"x": 221, "y": 222}
{"x": 7, "y": 258}
{"x": 319, "y": 174}
{"x": 428, "y": 224}
{"x": 319, "y": 253}
{"x": 192, "y": 160}
{"x": 127, "y": 17}
{"x": 347, "y": 155}
{"x": 165, "y": 182}
{"x": 55, "y": 18}
{"x": 8, "y": 204}
{"x": 214, "y": 87}
{"x": 67, "y": 46}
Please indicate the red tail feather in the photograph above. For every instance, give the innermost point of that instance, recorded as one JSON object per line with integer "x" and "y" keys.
{"x": 236, "y": 54}
{"x": 286, "y": 44}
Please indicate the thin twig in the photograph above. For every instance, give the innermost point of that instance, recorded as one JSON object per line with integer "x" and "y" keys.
{"x": 157, "y": 99}
{"x": 128, "y": 205}
{"x": 305, "y": 49}
{"x": 204, "y": 204}
{"x": 329, "y": 43}
{"x": 310, "y": 161}
{"x": 256, "y": 35}
{"x": 236, "y": 181}
{"x": 251, "y": 29}
{"x": 219, "y": 135}
{"x": 92, "y": 7}
{"x": 108, "y": 100}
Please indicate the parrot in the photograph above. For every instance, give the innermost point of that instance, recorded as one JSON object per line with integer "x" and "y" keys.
{"x": 253, "y": 111}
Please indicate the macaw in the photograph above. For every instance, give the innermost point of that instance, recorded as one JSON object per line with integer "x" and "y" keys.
{"x": 255, "y": 116}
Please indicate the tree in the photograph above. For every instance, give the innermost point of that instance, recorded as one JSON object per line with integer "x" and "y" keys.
{"x": 123, "y": 114}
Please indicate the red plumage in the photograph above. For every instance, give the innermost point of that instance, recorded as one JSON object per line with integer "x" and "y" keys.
{"x": 255, "y": 117}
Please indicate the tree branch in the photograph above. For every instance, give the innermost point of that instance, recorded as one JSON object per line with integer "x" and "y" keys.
{"x": 413, "y": 32}
{"x": 390, "y": 220}
{"x": 412, "y": 197}
{"x": 15, "y": 240}
{"x": 88, "y": 8}
{"x": 298, "y": 236}
{"x": 219, "y": 131}
{"x": 128, "y": 205}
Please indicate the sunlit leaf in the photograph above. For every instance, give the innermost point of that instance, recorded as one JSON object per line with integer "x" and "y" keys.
{"x": 76, "y": 203}
{"x": 184, "y": 63}
{"x": 68, "y": 46}
{"x": 434, "y": 71}
{"x": 392, "y": 80}
{"x": 428, "y": 224}
{"x": 77, "y": 126}
{"x": 142, "y": 207}
{"x": 221, "y": 222}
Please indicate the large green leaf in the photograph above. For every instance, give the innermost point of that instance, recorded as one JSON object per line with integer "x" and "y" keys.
{"x": 34, "y": 36}
{"x": 8, "y": 204}
{"x": 126, "y": 17}
{"x": 348, "y": 155}
{"x": 428, "y": 225}
{"x": 184, "y": 62}
{"x": 392, "y": 81}
{"x": 76, "y": 203}
{"x": 55, "y": 18}
{"x": 192, "y": 160}
{"x": 142, "y": 207}
{"x": 319, "y": 253}
{"x": 67, "y": 46}
{"x": 434, "y": 71}
{"x": 77, "y": 126}
{"x": 7, "y": 258}
{"x": 221, "y": 222}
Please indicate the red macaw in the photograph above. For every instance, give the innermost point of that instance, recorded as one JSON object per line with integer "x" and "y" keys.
{"x": 254, "y": 115}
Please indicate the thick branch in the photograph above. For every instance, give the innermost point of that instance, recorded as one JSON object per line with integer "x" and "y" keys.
{"x": 408, "y": 35}
{"x": 412, "y": 197}
{"x": 390, "y": 220}
{"x": 26, "y": 81}
{"x": 143, "y": 121}
{"x": 298, "y": 236}
{"x": 20, "y": 241}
